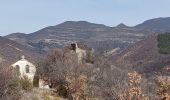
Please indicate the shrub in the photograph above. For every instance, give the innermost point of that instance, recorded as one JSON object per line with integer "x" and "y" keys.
{"x": 164, "y": 88}
{"x": 36, "y": 81}
{"x": 9, "y": 86}
{"x": 135, "y": 91}
{"x": 26, "y": 84}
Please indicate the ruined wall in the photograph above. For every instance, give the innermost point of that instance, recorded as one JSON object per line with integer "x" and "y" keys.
{"x": 81, "y": 54}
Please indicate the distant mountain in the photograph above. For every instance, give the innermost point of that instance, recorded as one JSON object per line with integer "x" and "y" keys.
{"x": 138, "y": 44}
{"x": 161, "y": 25}
{"x": 97, "y": 36}
{"x": 10, "y": 51}
{"x": 121, "y": 25}
{"x": 18, "y": 37}
{"x": 143, "y": 56}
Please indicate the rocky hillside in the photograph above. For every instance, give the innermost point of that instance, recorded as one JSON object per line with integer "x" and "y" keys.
{"x": 11, "y": 51}
{"x": 161, "y": 25}
{"x": 18, "y": 37}
{"x": 143, "y": 56}
{"x": 97, "y": 36}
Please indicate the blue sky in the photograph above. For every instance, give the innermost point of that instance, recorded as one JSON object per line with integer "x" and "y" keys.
{"x": 28, "y": 16}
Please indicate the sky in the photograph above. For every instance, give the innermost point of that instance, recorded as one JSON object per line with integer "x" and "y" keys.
{"x": 28, "y": 16}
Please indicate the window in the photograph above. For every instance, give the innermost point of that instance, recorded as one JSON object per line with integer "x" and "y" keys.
{"x": 27, "y": 69}
{"x": 73, "y": 45}
{"x": 17, "y": 70}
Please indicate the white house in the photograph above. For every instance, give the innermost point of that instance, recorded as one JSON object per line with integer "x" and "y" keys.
{"x": 25, "y": 69}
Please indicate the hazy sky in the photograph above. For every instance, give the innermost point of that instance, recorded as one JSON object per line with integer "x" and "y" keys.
{"x": 31, "y": 15}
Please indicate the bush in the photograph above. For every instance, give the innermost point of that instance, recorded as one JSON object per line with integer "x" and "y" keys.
{"x": 164, "y": 87}
{"x": 26, "y": 84}
{"x": 9, "y": 86}
{"x": 36, "y": 81}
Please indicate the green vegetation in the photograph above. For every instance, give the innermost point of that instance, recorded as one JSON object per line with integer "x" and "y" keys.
{"x": 26, "y": 84}
{"x": 164, "y": 43}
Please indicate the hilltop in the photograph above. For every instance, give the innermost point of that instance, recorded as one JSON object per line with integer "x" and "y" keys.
{"x": 160, "y": 25}
{"x": 97, "y": 36}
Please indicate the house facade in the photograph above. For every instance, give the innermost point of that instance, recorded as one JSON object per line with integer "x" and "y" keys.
{"x": 24, "y": 68}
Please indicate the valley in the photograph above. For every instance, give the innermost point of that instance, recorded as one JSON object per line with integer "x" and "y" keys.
{"x": 79, "y": 59}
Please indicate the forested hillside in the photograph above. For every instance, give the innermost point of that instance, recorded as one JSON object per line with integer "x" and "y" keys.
{"x": 164, "y": 43}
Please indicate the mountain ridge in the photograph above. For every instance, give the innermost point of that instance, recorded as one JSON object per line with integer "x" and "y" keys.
{"x": 82, "y": 31}
{"x": 98, "y": 36}
{"x": 160, "y": 25}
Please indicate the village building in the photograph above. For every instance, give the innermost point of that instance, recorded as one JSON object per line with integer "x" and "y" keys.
{"x": 80, "y": 52}
{"x": 24, "y": 68}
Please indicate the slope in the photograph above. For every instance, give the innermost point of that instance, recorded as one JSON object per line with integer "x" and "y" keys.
{"x": 97, "y": 36}
{"x": 143, "y": 56}
{"x": 11, "y": 51}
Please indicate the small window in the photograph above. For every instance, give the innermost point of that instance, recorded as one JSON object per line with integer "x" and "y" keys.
{"x": 73, "y": 46}
{"x": 27, "y": 69}
{"x": 17, "y": 70}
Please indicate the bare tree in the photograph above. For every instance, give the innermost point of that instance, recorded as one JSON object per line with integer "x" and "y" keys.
{"x": 9, "y": 85}
{"x": 96, "y": 78}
